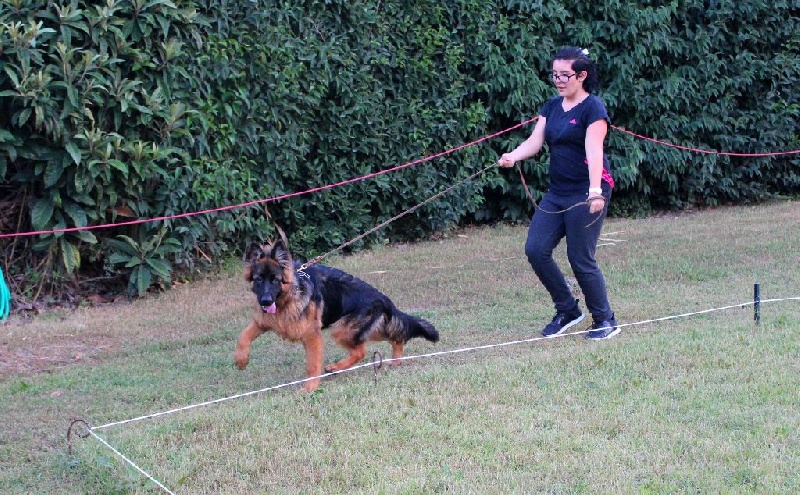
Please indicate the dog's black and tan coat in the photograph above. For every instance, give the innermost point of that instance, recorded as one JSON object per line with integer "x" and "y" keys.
{"x": 298, "y": 305}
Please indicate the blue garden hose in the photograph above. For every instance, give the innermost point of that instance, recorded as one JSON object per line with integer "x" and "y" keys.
{"x": 5, "y": 297}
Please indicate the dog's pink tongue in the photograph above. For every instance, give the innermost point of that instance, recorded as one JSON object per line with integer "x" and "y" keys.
{"x": 271, "y": 309}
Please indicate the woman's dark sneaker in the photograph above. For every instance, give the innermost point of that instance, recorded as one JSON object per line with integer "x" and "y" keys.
{"x": 605, "y": 329}
{"x": 561, "y": 322}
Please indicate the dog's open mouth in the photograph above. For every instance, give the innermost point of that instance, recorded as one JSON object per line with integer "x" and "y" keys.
{"x": 268, "y": 309}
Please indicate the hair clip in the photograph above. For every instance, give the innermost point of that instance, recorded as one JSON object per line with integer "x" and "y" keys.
{"x": 585, "y": 51}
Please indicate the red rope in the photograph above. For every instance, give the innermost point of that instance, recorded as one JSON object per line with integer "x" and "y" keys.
{"x": 369, "y": 176}
{"x": 274, "y": 198}
{"x": 709, "y": 152}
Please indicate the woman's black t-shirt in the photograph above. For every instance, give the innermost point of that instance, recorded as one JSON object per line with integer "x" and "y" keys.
{"x": 565, "y": 135}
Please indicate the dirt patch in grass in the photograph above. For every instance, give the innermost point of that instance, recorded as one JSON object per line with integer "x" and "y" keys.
{"x": 27, "y": 359}
{"x": 26, "y": 347}
{"x": 64, "y": 337}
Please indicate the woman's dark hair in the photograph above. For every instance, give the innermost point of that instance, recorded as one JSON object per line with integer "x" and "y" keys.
{"x": 580, "y": 62}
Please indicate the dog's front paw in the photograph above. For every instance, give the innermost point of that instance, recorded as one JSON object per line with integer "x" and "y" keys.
{"x": 241, "y": 360}
{"x": 310, "y": 386}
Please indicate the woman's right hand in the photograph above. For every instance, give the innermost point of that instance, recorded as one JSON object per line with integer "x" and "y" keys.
{"x": 506, "y": 160}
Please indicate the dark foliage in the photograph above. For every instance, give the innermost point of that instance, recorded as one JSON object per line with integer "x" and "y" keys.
{"x": 125, "y": 110}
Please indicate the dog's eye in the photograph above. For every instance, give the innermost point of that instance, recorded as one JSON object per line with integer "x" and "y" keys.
{"x": 258, "y": 278}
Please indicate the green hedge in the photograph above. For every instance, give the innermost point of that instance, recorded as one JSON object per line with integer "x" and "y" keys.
{"x": 317, "y": 93}
{"x": 132, "y": 110}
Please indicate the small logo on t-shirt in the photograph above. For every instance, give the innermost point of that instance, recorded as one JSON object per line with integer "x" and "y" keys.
{"x": 573, "y": 121}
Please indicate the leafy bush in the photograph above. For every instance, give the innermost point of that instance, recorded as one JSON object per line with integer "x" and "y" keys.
{"x": 144, "y": 258}
{"x": 90, "y": 113}
{"x": 130, "y": 110}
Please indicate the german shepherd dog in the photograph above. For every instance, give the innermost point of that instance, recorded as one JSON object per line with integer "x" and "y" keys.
{"x": 298, "y": 304}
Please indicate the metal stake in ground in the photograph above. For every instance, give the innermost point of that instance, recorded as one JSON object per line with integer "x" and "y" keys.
{"x": 757, "y": 303}
{"x": 377, "y": 363}
{"x": 80, "y": 435}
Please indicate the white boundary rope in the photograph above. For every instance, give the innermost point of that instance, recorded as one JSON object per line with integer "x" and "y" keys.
{"x": 130, "y": 462}
{"x": 419, "y": 356}
{"x": 404, "y": 358}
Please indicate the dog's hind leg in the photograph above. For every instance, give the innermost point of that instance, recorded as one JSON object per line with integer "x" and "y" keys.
{"x": 397, "y": 353}
{"x": 313, "y": 345}
{"x": 355, "y": 354}
{"x": 382, "y": 334}
{"x": 349, "y": 333}
{"x": 242, "y": 353}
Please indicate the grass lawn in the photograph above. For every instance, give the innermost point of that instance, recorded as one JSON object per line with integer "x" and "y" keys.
{"x": 702, "y": 403}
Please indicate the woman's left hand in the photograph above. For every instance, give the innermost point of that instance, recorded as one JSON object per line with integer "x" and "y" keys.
{"x": 596, "y": 203}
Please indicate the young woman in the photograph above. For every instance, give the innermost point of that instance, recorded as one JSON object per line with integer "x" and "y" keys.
{"x": 574, "y": 125}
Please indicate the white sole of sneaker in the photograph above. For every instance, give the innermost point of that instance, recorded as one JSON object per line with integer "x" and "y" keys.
{"x": 613, "y": 333}
{"x": 565, "y": 327}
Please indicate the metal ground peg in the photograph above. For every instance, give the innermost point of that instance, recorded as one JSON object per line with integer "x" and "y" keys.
{"x": 757, "y": 303}
{"x": 377, "y": 364}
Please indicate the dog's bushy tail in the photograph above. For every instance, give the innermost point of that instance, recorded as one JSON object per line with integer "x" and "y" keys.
{"x": 413, "y": 326}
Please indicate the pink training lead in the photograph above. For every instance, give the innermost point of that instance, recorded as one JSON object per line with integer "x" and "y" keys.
{"x": 708, "y": 152}
{"x": 369, "y": 176}
{"x": 267, "y": 200}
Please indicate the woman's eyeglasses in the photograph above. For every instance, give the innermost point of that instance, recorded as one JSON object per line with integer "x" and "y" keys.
{"x": 562, "y": 77}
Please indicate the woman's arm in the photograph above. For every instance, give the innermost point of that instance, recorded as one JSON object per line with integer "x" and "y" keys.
{"x": 527, "y": 148}
{"x": 595, "y": 137}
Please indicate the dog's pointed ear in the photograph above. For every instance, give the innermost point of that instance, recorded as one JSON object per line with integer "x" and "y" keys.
{"x": 251, "y": 255}
{"x": 247, "y": 261}
{"x": 253, "y": 252}
{"x": 248, "y": 256}
{"x": 280, "y": 253}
